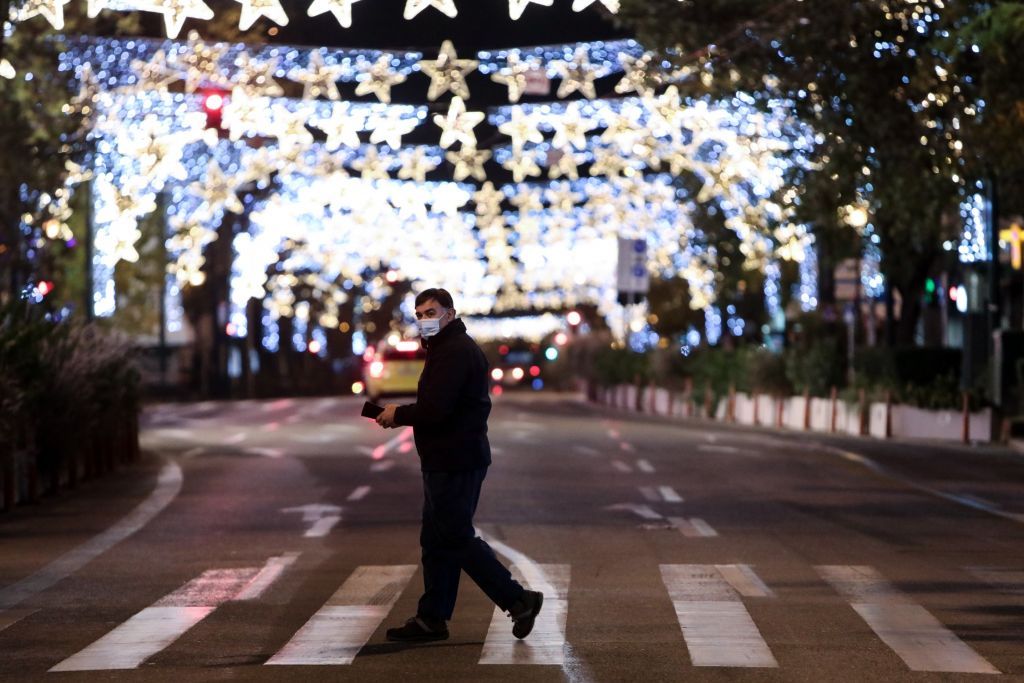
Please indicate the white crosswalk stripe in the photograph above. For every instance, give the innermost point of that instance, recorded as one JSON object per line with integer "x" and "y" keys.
{"x": 156, "y": 627}
{"x": 716, "y": 626}
{"x": 693, "y": 527}
{"x": 546, "y": 643}
{"x": 336, "y": 633}
{"x": 917, "y": 637}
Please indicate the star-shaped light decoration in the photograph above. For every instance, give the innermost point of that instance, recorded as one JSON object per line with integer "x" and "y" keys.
{"x": 577, "y": 75}
{"x": 607, "y": 162}
{"x": 448, "y": 198}
{"x": 218, "y": 190}
{"x": 371, "y": 166}
{"x": 157, "y": 153}
{"x": 527, "y": 199}
{"x": 522, "y": 129}
{"x": 416, "y": 165}
{"x": 638, "y": 76}
{"x": 580, "y": 5}
{"x": 202, "y": 64}
{"x": 256, "y": 78}
{"x": 176, "y": 12}
{"x": 414, "y": 7}
{"x": 562, "y": 162}
{"x": 318, "y": 79}
{"x": 488, "y": 200}
{"x": 517, "y": 7}
{"x": 341, "y": 9}
{"x": 667, "y": 113}
{"x": 51, "y": 10}
{"x": 561, "y": 197}
{"x": 155, "y": 74}
{"x": 514, "y": 76}
{"x": 448, "y": 72}
{"x": 469, "y": 161}
{"x": 341, "y": 130}
{"x": 622, "y": 131}
{"x": 290, "y": 129}
{"x": 522, "y": 166}
{"x": 458, "y": 124}
{"x": 259, "y": 166}
{"x": 571, "y": 129}
{"x": 378, "y": 79}
{"x": 254, "y": 9}
{"x": 391, "y": 130}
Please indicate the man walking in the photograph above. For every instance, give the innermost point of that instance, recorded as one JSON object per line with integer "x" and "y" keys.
{"x": 449, "y": 421}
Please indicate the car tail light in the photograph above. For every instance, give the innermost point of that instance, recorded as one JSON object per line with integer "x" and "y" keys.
{"x": 368, "y": 355}
{"x": 376, "y": 368}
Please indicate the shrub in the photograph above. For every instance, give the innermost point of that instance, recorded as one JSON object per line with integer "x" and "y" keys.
{"x": 768, "y": 373}
{"x": 815, "y": 369}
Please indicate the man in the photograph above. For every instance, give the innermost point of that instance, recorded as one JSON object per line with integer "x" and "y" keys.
{"x": 449, "y": 421}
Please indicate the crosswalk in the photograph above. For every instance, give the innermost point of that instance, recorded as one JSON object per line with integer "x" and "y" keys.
{"x": 712, "y": 605}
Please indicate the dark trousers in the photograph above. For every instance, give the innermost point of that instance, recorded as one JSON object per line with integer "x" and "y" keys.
{"x": 450, "y": 546}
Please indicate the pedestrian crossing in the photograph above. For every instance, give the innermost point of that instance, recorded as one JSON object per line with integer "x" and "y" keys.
{"x": 713, "y": 606}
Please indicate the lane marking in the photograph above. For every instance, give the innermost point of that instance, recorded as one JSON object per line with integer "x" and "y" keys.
{"x": 650, "y": 494}
{"x": 613, "y": 433}
{"x": 669, "y": 494}
{"x": 627, "y": 447}
{"x": 359, "y": 493}
{"x": 1005, "y": 579}
{"x": 366, "y": 450}
{"x": 271, "y": 572}
{"x": 154, "y": 628}
{"x": 271, "y": 426}
{"x": 339, "y": 629}
{"x": 693, "y": 527}
{"x": 382, "y": 466}
{"x": 744, "y": 580}
{"x": 917, "y": 637}
{"x": 585, "y": 450}
{"x": 13, "y": 616}
{"x": 168, "y": 486}
{"x": 621, "y": 466}
{"x": 235, "y": 438}
{"x": 323, "y": 516}
{"x": 644, "y": 511}
{"x": 193, "y": 452}
{"x": 546, "y": 643}
{"x": 969, "y": 501}
{"x": 314, "y": 438}
{"x": 281, "y": 404}
{"x": 389, "y": 445}
{"x": 265, "y": 452}
{"x": 716, "y": 626}
{"x": 717, "y": 449}
{"x": 645, "y": 466}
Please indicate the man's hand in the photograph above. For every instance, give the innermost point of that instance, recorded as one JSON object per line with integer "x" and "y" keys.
{"x": 387, "y": 418}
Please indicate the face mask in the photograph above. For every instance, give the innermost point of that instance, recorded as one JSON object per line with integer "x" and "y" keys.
{"x": 429, "y": 327}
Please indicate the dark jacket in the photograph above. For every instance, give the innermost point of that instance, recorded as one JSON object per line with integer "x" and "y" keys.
{"x": 449, "y": 418}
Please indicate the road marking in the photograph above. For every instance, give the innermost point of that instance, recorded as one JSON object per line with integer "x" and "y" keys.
{"x": 1005, "y": 579}
{"x": 495, "y": 450}
{"x": 650, "y": 494}
{"x": 645, "y": 511}
{"x": 271, "y": 426}
{"x": 613, "y": 433}
{"x": 917, "y": 637}
{"x": 717, "y": 449}
{"x": 546, "y": 644}
{"x": 585, "y": 450}
{"x": 265, "y": 452}
{"x": 382, "y": 466}
{"x": 193, "y": 452}
{"x": 621, "y": 466}
{"x": 336, "y": 633}
{"x": 324, "y": 517}
{"x": 235, "y": 438}
{"x": 366, "y": 450}
{"x": 167, "y": 487}
{"x": 627, "y": 447}
{"x": 13, "y": 616}
{"x": 281, "y": 404}
{"x": 271, "y": 572}
{"x": 717, "y": 627}
{"x": 744, "y": 580}
{"x": 669, "y": 494}
{"x": 693, "y": 527}
{"x": 292, "y": 419}
{"x": 157, "y": 626}
{"x": 359, "y": 493}
{"x": 388, "y": 446}
{"x": 314, "y": 438}
{"x": 645, "y": 466}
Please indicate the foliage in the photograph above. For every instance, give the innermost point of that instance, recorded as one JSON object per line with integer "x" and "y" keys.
{"x": 620, "y": 366}
{"x": 768, "y": 373}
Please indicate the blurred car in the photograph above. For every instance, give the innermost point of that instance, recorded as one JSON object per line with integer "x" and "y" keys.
{"x": 393, "y": 370}
{"x": 521, "y": 367}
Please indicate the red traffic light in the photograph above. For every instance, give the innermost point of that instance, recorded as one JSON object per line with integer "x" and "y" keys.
{"x": 213, "y": 105}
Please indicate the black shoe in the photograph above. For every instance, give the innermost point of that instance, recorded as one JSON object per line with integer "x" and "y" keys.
{"x": 419, "y": 630}
{"x": 525, "y": 612}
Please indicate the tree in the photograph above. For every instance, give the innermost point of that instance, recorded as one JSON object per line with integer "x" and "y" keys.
{"x": 874, "y": 83}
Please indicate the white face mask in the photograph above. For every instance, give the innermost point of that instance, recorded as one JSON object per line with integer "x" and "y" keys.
{"x": 429, "y": 327}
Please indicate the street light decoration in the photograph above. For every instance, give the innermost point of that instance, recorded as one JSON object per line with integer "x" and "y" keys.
{"x": 341, "y": 9}
{"x": 252, "y": 10}
{"x": 448, "y": 73}
{"x": 378, "y": 79}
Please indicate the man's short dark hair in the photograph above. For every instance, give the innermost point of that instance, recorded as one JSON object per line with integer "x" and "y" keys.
{"x": 441, "y": 296}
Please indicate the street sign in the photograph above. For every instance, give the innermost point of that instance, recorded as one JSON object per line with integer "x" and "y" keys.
{"x": 633, "y": 277}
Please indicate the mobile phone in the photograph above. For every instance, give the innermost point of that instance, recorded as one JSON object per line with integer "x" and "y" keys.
{"x": 371, "y": 410}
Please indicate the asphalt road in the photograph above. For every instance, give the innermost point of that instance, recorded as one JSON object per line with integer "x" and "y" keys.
{"x": 277, "y": 540}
